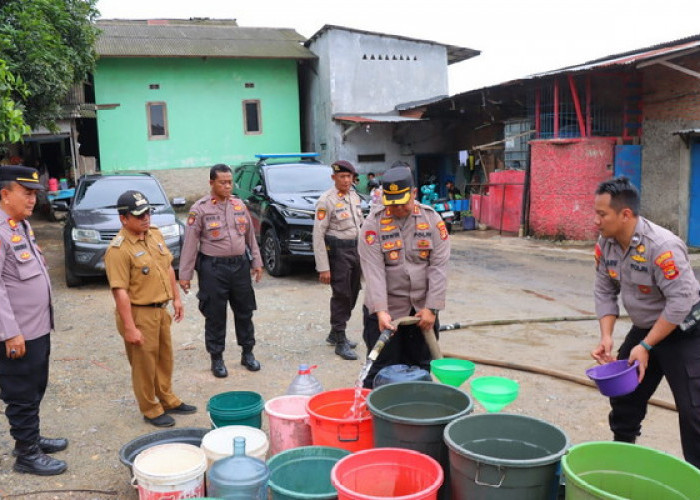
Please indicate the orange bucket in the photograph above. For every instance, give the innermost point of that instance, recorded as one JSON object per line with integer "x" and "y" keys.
{"x": 332, "y": 422}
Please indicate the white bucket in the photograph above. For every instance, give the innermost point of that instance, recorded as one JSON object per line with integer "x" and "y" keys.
{"x": 289, "y": 423}
{"x": 218, "y": 443}
{"x": 170, "y": 471}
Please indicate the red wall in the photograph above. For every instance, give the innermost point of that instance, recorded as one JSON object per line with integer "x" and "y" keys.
{"x": 564, "y": 176}
{"x": 487, "y": 208}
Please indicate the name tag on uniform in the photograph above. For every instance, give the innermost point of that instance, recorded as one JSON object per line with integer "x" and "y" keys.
{"x": 139, "y": 254}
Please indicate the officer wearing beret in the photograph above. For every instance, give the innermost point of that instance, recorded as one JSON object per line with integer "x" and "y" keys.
{"x": 26, "y": 320}
{"x": 220, "y": 245}
{"x": 142, "y": 279}
{"x": 336, "y": 228}
{"x": 404, "y": 252}
{"x": 647, "y": 267}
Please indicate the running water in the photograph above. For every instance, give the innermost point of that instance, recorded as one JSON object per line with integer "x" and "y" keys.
{"x": 359, "y": 404}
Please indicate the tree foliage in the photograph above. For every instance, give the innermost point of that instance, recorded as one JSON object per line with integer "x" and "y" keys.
{"x": 49, "y": 45}
{"x": 12, "y": 124}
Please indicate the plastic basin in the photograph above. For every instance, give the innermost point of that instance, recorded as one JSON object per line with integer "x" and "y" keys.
{"x": 494, "y": 393}
{"x": 451, "y": 371}
{"x": 186, "y": 435}
{"x": 615, "y": 379}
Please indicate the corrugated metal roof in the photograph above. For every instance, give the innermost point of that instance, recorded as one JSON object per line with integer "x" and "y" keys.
{"x": 455, "y": 54}
{"x": 124, "y": 38}
{"x": 369, "y": 118}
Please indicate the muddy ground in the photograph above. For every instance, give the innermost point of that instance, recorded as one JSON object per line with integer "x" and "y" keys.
{"x": 89, "y": 399}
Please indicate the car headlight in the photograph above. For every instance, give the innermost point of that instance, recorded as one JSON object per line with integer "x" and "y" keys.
{"x": 170, "y": 231}
{"x": 85, "y": 235}
{"x": 297, "y": 214}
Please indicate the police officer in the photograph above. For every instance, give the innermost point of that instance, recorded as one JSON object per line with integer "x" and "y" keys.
{"x": 336, "y": 227}
{"x": 142, "y": 279}
{"x": 220, "y": 244}
{"x": 647, "y": 266}
{"x": 404, "y": 250}
{"x": 26, "y": 319}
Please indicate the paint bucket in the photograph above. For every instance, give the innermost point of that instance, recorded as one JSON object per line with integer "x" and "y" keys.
{"x": 236, "y": 408}
{"x": 413, "y": 415}
{"x": 332, "y": 422}
{"x": 288, "y": 423}
{"x": 304, "y": 473}
{"x": 497, "y": 456}
{"x": 170, "y": 471}
{"x": 387, "y": 473}
{"x": 218, "y": 443}
{"x": 613, "y": 470}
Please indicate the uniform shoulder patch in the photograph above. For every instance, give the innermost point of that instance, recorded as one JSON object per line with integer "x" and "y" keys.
{"x": 117, "y": 241}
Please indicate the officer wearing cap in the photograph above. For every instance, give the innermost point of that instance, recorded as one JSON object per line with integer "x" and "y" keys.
{"x": 220, "y": 245}
{"x": 647, "y": 267}
{"x": 336, "y": 228}
{"x": 26, "y": 320}
{"x": 404, "y": 251}
{"x": 142, "y": 279}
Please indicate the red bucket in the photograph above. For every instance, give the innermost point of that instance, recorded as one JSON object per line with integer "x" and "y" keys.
{"x": 382, "y": 473}
{"x": 331, "y": 424}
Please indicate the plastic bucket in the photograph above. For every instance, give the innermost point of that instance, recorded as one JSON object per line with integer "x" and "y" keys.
{"x": 383, "y": 473}
{"x": 413, "y": 415}
{"x": 236, "y": 408}
{"x": 616, "y": 378}
{"x": 332, "y": 423}
{"x": 288, "y": 422}
{"x": 218, "y": 443}
{"x": 400, "y": 373}
{"x": 304, "y": 473}
{"x": 497, "y": 456}
{"x": 170, "y": 471}
{"x": 613, "y": 470}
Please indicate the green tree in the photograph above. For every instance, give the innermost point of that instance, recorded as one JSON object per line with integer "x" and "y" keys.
{"x": 12, "y": 125}
{"x": 49, "y": 45}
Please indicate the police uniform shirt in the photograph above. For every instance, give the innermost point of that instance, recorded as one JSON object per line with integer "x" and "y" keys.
{"x": 140, "y": 266}
{"x": 653, "y": 277}
{"x": 339, "y": 216}
{"x": 25, "y": 287}
{"x": 404, "y": 261}
{"x": 218, "y": 229}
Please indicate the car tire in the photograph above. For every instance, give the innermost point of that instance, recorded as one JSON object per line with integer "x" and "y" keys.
{"x": 271, "y": 252}
{"x": 72, "y": 280}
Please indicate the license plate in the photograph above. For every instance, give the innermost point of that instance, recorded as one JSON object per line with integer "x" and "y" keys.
{"x": 449, "y": 213}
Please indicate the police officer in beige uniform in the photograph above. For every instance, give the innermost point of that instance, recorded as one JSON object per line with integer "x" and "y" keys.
{"x": 647, "y": 266}
{"x": 220, "y": 244}
{"x": 142, "y": 279}
{"x": 404, "y": 251}
{"x": 336, "y": 227}
{"x": 26, "y": 320}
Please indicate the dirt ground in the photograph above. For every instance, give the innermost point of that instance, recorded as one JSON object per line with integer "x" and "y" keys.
{"x": 89, "y": 399}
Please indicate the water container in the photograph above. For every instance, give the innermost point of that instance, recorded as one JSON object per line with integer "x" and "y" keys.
{"x": 400, "y": 373}
{"x": 63, "y": 183}
{"x": 305, "y": 384}
{"x": 238, "y": 477}
{"x": 53, "y": 184}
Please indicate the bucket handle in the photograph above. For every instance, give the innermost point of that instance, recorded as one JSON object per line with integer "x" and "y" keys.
{"x": 347, "y": 440}
{"x": 501, "y": 472}
{"x": 214, "y": 426}
{"x": 134, "y": 483}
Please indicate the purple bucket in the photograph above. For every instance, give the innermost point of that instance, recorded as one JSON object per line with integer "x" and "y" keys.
{"x": 616, "y": 378}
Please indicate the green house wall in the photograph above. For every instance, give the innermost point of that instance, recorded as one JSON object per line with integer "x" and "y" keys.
{"x": 204, "y": 99}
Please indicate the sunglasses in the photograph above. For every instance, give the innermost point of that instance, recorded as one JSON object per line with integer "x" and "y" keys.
{"x": 147, "y": 213}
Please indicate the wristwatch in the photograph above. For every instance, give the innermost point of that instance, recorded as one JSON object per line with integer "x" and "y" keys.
{"x": 434, "y": 311}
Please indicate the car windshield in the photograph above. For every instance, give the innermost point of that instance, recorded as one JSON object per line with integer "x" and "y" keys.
{"x": 299, "y": 178}
{"x": 103, "y": 193}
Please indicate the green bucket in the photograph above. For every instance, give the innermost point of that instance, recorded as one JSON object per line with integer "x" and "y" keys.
{"x": 497, "y": 456}
{"x": 613, "y": 470}
{"x": 236, "y": 408}
{"x": 304, "y": 473}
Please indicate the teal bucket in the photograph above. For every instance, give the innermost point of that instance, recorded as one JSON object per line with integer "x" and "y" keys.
{"x": 610, "y": 470}
{"x": 413, "y": 415}
{"x": 497, "y": 456}
{"x": 236, "y": 408}
{"x": 304, "y": 473}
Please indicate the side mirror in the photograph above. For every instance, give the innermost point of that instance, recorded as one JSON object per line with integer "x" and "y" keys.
{"x": 178, "y": 202}
{"x": 60, "y": 206}
{"x": 258, "y": 190}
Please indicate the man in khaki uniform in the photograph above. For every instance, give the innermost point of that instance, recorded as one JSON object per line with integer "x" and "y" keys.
{"x": 336, "y": 227}
{"x": 140, "y": 274}
{"x": 404, "y": 251}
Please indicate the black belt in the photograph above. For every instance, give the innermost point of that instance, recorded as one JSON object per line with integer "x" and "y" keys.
{"x": 223, "y": 260}
{"x": 338, "y": 243}
{"x": 154, "y": 304}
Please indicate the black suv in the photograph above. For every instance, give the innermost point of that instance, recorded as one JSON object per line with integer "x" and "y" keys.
{"x": 281, "y": 197}
{"x": 93, "y": 221}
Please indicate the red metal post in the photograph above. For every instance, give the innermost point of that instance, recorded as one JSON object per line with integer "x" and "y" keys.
{"x": 577, "y": 105}
{"x": 589, "y": 120}
{"x": 556, "y": 108}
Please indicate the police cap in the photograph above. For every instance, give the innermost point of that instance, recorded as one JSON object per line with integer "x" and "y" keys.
{"x": 25, "y": 176}
{"x": 397, "y": 185}
{"x": 133, "y": 202}
{"x": 343, "y": 166}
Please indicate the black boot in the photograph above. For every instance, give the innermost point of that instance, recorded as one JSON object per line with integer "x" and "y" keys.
{"x": 248, "y": 360}
{"x": 332, "y": 339}
{"x": 31, "y": 460}
{"x": 48, "y": 445}
{"x": 218, "y": 368}
{"x": 342, "y": 347}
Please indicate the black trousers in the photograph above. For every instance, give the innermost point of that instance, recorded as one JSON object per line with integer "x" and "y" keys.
{"x": 224, "y": 281}
{"x": 677, "y": 358}
{"x": 22, "y": 386}
{"x": 407, "y": 346}
{"x": 345, "y": 284}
